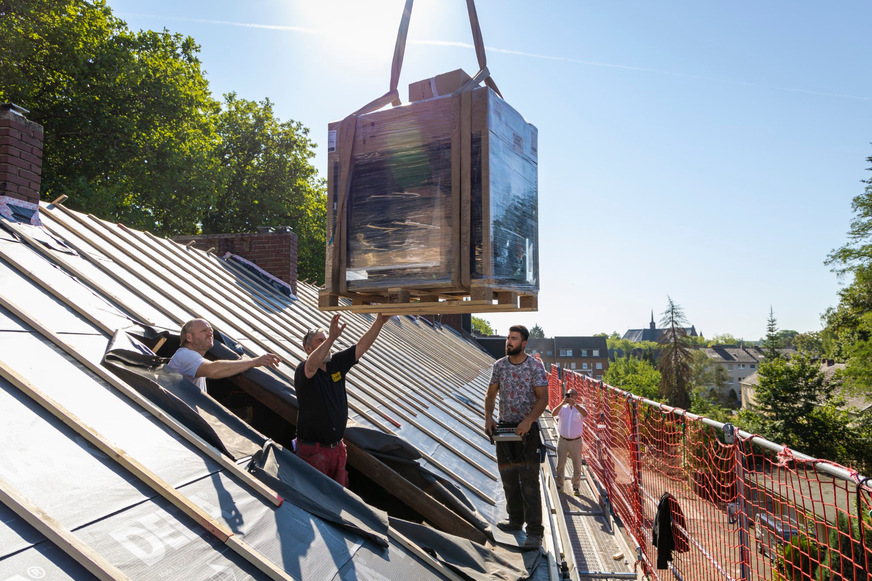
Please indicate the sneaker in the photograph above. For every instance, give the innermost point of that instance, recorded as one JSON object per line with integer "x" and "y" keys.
{"x": 533, "y": 542}
{"x": 576, "y": 492}
{"x": 509, "y": 526}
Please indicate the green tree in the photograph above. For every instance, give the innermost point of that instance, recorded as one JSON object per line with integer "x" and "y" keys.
{"x": 624, "y": 347}
{"x": 810, "y": 343}
{"x": 786, "y": 338}
{"x": 482, "y": 327}
{"x": 846, "y": 551}
{"x": 536, "y": 332}
{"x": 634, "y": 375}
{"x": 268, "y": 180}
{"x": 675, "y": 357}
{"x": 724, "y": 339}
{"x": 848, "y": 333}
{"x": 708, "y": 380}
{"x": 797, "y": 406}
{"x": 132, "y": 133}
{"x": 127, "y": 117}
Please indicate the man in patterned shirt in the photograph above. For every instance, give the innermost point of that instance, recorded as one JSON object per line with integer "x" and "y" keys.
{"x": 522, "y": 385}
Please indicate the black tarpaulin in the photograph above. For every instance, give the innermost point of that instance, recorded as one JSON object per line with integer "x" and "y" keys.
{"x": 305, "y": 487}
{"x": 167, "y": 389}
{"x": 470, "y": 559}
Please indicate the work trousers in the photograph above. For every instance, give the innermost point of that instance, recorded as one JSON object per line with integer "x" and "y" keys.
{"x": 518, "y": 464}
{"x": 572, "y": 450}
{"x": 330, "y": 461}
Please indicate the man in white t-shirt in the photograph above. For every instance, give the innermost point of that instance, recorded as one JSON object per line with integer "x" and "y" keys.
{"x": 570, "y": 425}
{"x": 195, "y": 339}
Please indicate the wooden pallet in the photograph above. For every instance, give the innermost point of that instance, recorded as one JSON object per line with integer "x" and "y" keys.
{"x": 403, "y": 302}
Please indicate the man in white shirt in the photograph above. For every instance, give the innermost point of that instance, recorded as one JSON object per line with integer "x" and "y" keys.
{"x": 195, "y": 339}
{"x": 570, "y": 425}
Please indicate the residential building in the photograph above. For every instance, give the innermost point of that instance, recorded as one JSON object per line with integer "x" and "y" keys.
{"x": 739, "y": 362}
{"x": 586, "y": 355}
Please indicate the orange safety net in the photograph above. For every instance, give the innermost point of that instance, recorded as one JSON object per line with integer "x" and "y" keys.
{"x": 555, "y": 389}
{"x": 739, "y": 509}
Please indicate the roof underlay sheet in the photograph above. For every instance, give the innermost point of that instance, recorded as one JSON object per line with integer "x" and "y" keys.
{"x": 82, "y": 303}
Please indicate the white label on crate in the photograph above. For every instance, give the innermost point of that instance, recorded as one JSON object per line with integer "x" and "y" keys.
{"x": 331, "y": 141}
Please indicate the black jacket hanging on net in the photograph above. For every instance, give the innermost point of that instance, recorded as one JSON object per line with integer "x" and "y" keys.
{"x": 666, "y": 537}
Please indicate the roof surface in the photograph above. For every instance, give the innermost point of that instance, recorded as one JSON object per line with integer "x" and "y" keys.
{"x": 69, "y": 286}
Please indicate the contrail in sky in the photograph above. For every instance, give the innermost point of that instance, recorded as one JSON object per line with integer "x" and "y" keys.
{"x": 630, "y": 68}
{"x": 280, "y": 27}
{"x": 316, "y": 32}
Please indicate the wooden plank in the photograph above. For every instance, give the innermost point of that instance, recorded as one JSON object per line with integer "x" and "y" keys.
{"x": 396, "y": 485}
{"x": 430, "y": 308}
{"x": 463, "y": 173}
{"x": 62, "y": 538}
{"x": 132, "y": 465}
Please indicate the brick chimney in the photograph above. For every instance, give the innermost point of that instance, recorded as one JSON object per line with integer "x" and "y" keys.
{"x": 272, "y": 249}
{"x": 20, "y": 163}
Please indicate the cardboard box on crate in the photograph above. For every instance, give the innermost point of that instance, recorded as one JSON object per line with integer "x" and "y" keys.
{"x": 441, "y": 204}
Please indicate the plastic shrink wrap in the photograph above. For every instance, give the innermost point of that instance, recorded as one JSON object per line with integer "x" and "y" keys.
{"x": 441, "y": 199}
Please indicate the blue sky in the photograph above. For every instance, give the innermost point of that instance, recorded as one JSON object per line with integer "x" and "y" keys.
{"x": 705, "y": 151}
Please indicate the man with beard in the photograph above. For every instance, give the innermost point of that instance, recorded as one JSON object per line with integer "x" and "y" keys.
{"x": 321, "y": 396}
{"x": 522, "y": 385}
{"x": 195, "y": 338}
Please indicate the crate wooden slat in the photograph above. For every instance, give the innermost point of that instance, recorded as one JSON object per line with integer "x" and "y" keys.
{"x": 500, "y": 302}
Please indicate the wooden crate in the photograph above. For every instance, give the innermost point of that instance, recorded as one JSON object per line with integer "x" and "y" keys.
{"x": 433, "y": 199}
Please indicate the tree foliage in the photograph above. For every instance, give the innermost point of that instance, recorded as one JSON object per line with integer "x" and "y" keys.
{"x": 268, "y": 180}
{"x": 848, "y": 333}
{"x": 708, "y": 380}
{"x": 133, "y": 134}
{"x": 637, "y": 376}
{"x": 537, "y": 332}
{"x": 127, "y": 117}
{"x": 676, "y": 371}
{"x": 810, "y": 343}
{"x": 797, "y": 404}
{"x": 482, "y": 327}
{"x": 625, "y": 348}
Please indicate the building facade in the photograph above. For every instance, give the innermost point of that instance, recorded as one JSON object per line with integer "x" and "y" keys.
{"x": 585, "y": 355}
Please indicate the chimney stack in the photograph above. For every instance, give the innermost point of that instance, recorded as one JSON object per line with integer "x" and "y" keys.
{"x": 20, "y": 163}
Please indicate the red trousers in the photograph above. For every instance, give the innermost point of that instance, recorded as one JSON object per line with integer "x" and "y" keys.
{"x": 329, "y": 461}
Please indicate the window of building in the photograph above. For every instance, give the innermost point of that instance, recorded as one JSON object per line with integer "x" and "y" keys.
{"x": 566, "y": 352}
{"x": 599, "y": 365}
{"x": 584, "y": 352}
{"x": 550, "y": 353}
{"x": 752, "y": 366}
{"x": 596, "y": 352}
{"x": 584, "y": 365}
{"x": 741, "y": 366}
{"x": 572, "y": 365}
{"x": 600, "y": 377}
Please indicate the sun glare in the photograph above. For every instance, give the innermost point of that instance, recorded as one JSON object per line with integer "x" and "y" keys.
{"x": 352, "y": 30}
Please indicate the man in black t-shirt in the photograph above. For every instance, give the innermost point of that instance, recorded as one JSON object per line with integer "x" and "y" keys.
{"x": 323, "y": 402}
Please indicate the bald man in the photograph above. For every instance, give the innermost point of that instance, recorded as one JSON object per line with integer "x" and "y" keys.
{"x": 195, "y": 339}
